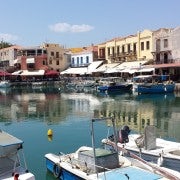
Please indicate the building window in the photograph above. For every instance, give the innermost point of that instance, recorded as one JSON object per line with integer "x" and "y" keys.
{"x": 50, "y": 61}
{"x": 57, "y": 54}
{"x": 87, "y": 59}
{"x": 142, "y": 46}
{"x": 77, "y": 60}
{"x": 165, "y": 43}
{"x": 118, "y": 50}
{"x": 158, "y": 45}
{"x": 113, "y": 51}
{"x": 134, "y": 47}
{"x": 108, "y": 51}
{"x": 129, "y": 48}
{"x": 72, "y": 60}
{"x": 147, "y": 45}
{"x": 81, "y": 60}
{"x": 44, "y": 62}
{"x": 123, "y": 49}
{"x": 57, "y": 62}
{"x": 158, "y": 57}
{"x": 52, "y": 53}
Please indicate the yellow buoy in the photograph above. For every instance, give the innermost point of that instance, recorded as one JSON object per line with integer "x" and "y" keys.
{"x": 50, "y": 132}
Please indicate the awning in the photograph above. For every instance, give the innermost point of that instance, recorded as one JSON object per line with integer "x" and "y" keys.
{"x": 32, "y": 73}
{"x": 3, "y": 73}
{"x": 30, "y": 60}
{"x": 173, "y": 65}
{"x": 106, "y": 67}
{"x": 146, "y": 69}
{"x": 130, "y": 65}
{"x": 80, "y": 71}
{"x": 93, "y": 66}
{"x": 17, "y": 61}
{"x": 51, "y": 73}
{"x": 17, "y": 72}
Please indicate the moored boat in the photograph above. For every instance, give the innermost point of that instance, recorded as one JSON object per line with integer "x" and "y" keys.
{"x": 156, "y": 150}
{"x": 12, "y": 160}
{"x": 5, "y": 84}
{"x": 96, "y": 163}
{"x": 152, "y": 84}
{"x": 111, "y": 84}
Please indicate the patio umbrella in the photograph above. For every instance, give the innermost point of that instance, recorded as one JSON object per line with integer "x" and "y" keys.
{"x": 4, "y": 73}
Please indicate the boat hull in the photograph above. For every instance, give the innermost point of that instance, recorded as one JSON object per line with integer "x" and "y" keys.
{"x": 115, "y": 88}
{"x": 59, "y": 172}
{"x": 153, "y": 89}
{"x": 170, "y": 163}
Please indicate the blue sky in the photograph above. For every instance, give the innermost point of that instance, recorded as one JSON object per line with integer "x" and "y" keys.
{"x": 77, "y": 23}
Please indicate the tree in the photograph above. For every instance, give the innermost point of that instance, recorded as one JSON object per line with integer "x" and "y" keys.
{"x": 5, "y": 44}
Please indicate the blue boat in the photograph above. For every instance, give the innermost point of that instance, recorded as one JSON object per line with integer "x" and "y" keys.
{"x": 153, "y": 84}
{"x": 92, "y": 163}
{"x": 114, "y": 84}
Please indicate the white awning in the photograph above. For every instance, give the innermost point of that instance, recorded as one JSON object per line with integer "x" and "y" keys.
{"x": 32, "y": 73}
{"x": 30, "y": 60}
{"x": 79, "y": 70}
{"x": 93, "y": 66}
{"x": 128, "y": 70}
{"x": 17, "y": 72}
{"x": 17, "y": 61}
{"x": 133, "y": 64}
{"x": 146, "y": 69}
{"x": 106, "y": 67}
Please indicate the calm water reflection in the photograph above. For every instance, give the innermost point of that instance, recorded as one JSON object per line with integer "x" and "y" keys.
{"x": 29, "y": 113}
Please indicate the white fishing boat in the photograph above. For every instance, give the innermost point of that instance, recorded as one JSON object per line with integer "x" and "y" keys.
{"x": 92, "y": 163}
{"x": 4, "y": 84}
{"x": 12, "y": 161}
{"x": 160, "y": 151}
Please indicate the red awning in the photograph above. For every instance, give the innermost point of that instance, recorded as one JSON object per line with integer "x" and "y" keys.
{"x": 51, "y": 73}
{"x": 3, "y": 73}
{"x": 157, "y": 66}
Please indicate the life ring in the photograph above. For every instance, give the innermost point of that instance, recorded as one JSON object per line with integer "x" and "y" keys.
{"x": 57, "y": 170}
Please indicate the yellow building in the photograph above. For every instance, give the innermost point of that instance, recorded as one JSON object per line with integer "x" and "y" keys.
{"x": 129, "y": 48}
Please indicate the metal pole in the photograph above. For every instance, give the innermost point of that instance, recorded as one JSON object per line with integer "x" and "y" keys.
{"x": 93, "y": 143}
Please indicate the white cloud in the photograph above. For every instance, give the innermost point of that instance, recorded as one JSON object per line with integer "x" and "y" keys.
{"x": 65, "y": 27}
{"x": 7, "y": 37}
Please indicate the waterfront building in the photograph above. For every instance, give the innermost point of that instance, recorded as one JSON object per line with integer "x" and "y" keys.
{"x": 159, "y": 49}
{"x": 84, "y": 57}
{"x": 83, "y": 62}
{"x": 8, "y": 56}
{"x": 128, "y": 48}
{"x": 166, "y": 52}
{"x": 57, "y": 56}
{"x": 32, "y": 58}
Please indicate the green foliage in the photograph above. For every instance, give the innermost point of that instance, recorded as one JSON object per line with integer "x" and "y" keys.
{"x": 5, "y": 44}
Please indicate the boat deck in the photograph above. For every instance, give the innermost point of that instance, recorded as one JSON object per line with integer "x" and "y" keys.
{"x": 129, "y": 173}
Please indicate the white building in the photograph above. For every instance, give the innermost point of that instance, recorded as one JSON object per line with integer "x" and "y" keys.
{"x": 81, "y": 59}
{"x": 175, "y": 44}
{"x": 9, "y": 55}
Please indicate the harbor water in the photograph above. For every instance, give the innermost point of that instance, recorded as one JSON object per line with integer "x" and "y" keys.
{"x": 28, "y": 113}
